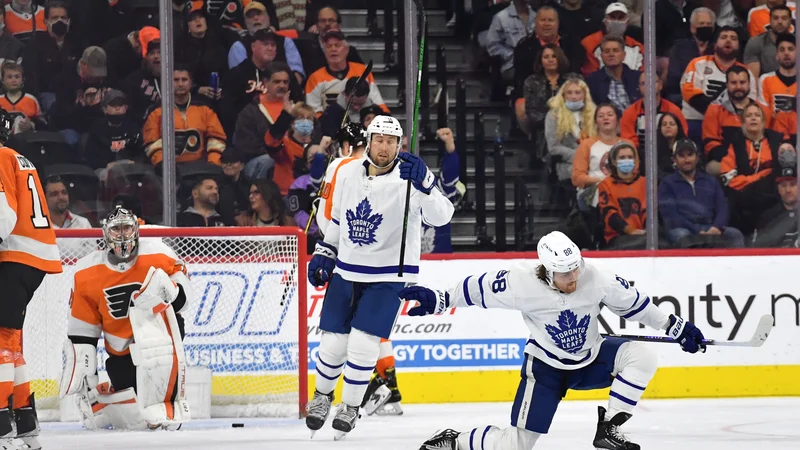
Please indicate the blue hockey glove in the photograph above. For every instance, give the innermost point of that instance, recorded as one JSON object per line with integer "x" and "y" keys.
{"x": 318, "y": 163}
{"x": 430, "y": 301}
{"x": 320, "y": 269}
{"x": 688, "y": 335}
{"x": 413, "y": 168}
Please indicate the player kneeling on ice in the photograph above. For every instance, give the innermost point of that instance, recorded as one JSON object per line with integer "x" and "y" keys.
{"x": 132, "y": 292}
{"x": 359, "y": 256}
{"x": 560, "y": 303}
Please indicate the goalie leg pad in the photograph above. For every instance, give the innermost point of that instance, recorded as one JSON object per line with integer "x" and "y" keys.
{"x": 80, "y": 368}
{"x": 105, "y": 408}
{"x": 160, "y": 362}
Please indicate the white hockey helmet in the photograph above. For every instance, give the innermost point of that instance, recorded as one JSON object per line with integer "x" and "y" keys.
{"x": 558, "y": 254}
{"x": 386, "y": 125}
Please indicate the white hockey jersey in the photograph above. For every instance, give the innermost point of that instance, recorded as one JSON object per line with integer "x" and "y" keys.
{"x": 367, "y": 223}
{"x": 564, "y": 330}
{"x": 325, "y": 206}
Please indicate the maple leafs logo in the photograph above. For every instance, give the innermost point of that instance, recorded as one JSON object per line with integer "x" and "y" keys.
{"x": 362, "y": 224}
{"x": 569, "y": 334}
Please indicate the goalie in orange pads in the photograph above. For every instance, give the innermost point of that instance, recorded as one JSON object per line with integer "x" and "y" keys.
{"x": 132, "y": 293}
{"x": 28, "y": 251}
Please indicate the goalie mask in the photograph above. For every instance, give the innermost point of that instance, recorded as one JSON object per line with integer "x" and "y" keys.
{"x": 562, "y": 261}
{"x": 121, "y": 233}
{"x": 385, "y": 126}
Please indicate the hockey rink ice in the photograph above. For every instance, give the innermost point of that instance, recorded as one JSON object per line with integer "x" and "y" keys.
{"x": 724, "y": 424}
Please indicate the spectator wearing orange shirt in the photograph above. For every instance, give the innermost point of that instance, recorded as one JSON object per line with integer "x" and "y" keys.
{"x": 615, "y": 24}
{"x": 623, "y": 199}
{"x": 778, "y": 90}
{"x": 786, "y": 123}
{"x": 758, "y": 17}
{"x": 23, "y": 107}
{"x": 24, "y": 18}
{"x": 632, "y": 123}
{"x": 747, "y": 169}
{"x": 286, "y": 141}
{"x": 759, "y": 54}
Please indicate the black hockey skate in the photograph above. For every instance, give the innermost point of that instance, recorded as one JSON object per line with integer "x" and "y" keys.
{"x": 608, "y": 436}
{"x": 28, "y": 425}
{"x": 345, "y": 420}
{"x": 318, "y": 410}
{"x": 442, "y": 440}
{"x": 376, "y": 396}
{"x": 392, "y": 405}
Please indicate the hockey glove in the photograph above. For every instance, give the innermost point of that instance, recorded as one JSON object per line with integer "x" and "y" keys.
{"x": 320, "y": 269}
{"x": 413, "y": 168}
{"x": 158, "y": 291}
{"x": 688, "y": 335}
{"x": 430, "y": 301}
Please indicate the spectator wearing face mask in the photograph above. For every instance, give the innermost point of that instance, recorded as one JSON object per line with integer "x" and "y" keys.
{"x": 623, "y": 200}
{"x": 286, "y": 141}
{"x": 777, "y": 226}
{"x": 50, "y": 54}
{"x": 673, "y": 18}
{"x": 11, "y": 49}
{"x": 683, "y": 51}
{"x": 615, "y": 24}
{"x": 23, "y": 18}
{"x": 114, "y": 138}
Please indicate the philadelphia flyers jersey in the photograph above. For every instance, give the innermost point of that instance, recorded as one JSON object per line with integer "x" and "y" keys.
{"x": 323, "y": 87}
{"x": 198, "y": 134}
{"x": 26, "y": 106}
{"x": 101, "y": 292}
{"x": 23, "y": 25}
{"x": 26, "y": 232}
{"x": 775, "y": 94}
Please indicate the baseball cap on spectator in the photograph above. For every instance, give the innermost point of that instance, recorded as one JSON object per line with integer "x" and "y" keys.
{"x": 114, "y": 97}
{"x": 94, "y": 58}
{"x": 231, "y": 155}
{"x": 147, "y": 35}
{"x": 254, "y": 5}
{"x": 786, "y": 173}
{"x": 372, "y": 109}
{"x": 683, "y": 144}
{"x": 359, "y": 90}
{"x": 787, "y": 161}
{"x": 264, "y": 34}
{"x": 616, "y": 7}
{"x": 333, "y": 34}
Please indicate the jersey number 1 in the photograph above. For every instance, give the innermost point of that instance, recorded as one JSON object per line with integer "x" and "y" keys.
{"x": 38, "y": 218}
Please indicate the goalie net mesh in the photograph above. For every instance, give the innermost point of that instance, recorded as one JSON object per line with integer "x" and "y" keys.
{"x": 246, "y": 322}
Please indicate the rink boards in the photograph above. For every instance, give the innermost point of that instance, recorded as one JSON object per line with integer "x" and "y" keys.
{"x": 474, "y": 354}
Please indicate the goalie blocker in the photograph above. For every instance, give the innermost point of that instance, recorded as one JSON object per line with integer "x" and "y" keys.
{"x": 145, "y": 285}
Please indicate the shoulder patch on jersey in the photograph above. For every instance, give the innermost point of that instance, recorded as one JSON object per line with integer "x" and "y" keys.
{"x": 118, "y": 299}
{"x": 569, "y": 334}
{"x": 24, "y": 163}
{"x": 362, "y": 224}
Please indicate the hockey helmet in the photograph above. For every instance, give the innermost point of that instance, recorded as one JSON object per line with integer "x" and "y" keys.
{"x": 388, "y": 126}
{"x": 121, "y": 233}
{"x": 6, "y": 125}
{"x": 559, "y": 255}
{"x": 354, "y": 135}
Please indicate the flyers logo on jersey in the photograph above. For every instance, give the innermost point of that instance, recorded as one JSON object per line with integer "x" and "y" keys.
{"x": 118, "y": 299}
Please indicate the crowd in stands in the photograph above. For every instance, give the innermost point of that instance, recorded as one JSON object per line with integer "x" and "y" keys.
{"x": 726, "y": 84}
{"x": 260, "y": 90}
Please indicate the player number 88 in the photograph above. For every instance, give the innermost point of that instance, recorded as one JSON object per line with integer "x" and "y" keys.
{"x": 499, "y": 284}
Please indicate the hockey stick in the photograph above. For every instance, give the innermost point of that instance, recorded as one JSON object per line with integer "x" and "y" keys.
{"x": 759, "y": 336}
{"x": 361, "y": 79}
{"x": 412, "y": 137}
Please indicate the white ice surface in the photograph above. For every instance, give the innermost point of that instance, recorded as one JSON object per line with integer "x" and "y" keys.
{"x": 727, "y": 424}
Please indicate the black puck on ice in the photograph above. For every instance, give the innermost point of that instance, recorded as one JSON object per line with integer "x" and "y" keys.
{"x": 237, "y": 425}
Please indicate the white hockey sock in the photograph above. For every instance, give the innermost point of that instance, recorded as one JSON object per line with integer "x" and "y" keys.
{"x": 635, "y": 366}
{"x": 362, "y": 354}
{"x": 330, "y": 362}
{"x": 493, "y": 438}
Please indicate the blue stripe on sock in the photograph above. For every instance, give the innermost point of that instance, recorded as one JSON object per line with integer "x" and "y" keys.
{"x": 471, "y": 438}
{"x": 325, "y": 376}
{"x": 330, "y": 366}
{"x": 353, "y": 366}
{"x": 622, "y": 398}
{"x": 466, "y": 291}
{"x": 348, "y": 380}
{"x": 623, "y": 380}
{"x": 483, "y": 438}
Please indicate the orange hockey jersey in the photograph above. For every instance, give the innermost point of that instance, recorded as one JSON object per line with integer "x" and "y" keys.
{"x": 775, "y": 94}
{"x": 703, "y": 82}
{"x": 322, "y": 88}
{"x": 23, "y": 25}
{"x": 634, "y": 53}
{"x": 26, "y": 106}
{"x": 622, "y": 205}
{"x": 284, "y": 150}
{"x": 721, "y": 124}
{"x": 25, "y": 228}
{"x": 198, "y": 135}
{"x": 758, "y": 19}
{"x": 786, "y": 124}
{"x": 632, "y": 122}
{"x": 101, "y": 293}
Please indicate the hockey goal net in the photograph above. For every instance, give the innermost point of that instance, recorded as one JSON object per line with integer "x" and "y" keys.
{"x": 247, "y": 322}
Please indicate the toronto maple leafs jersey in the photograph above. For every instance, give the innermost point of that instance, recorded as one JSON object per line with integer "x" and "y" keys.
{"x": 367, "y": 223}
{"x": 564, "y": 330}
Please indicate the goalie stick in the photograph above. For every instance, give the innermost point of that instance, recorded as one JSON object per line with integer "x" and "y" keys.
{"x": 361, "y": 79}
{"x": 412, "y": 137}
{"x": 759, "y": 336}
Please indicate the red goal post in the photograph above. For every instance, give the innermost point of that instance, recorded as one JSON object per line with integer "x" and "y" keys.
{"x": 246, "y": 322}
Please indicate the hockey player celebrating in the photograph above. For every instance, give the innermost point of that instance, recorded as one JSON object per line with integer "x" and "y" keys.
{"x": 28, "y": 252}
{"x": 560, "y": 302}
{"x": 359, "y": 257}
{"x": 132, "y": 292}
